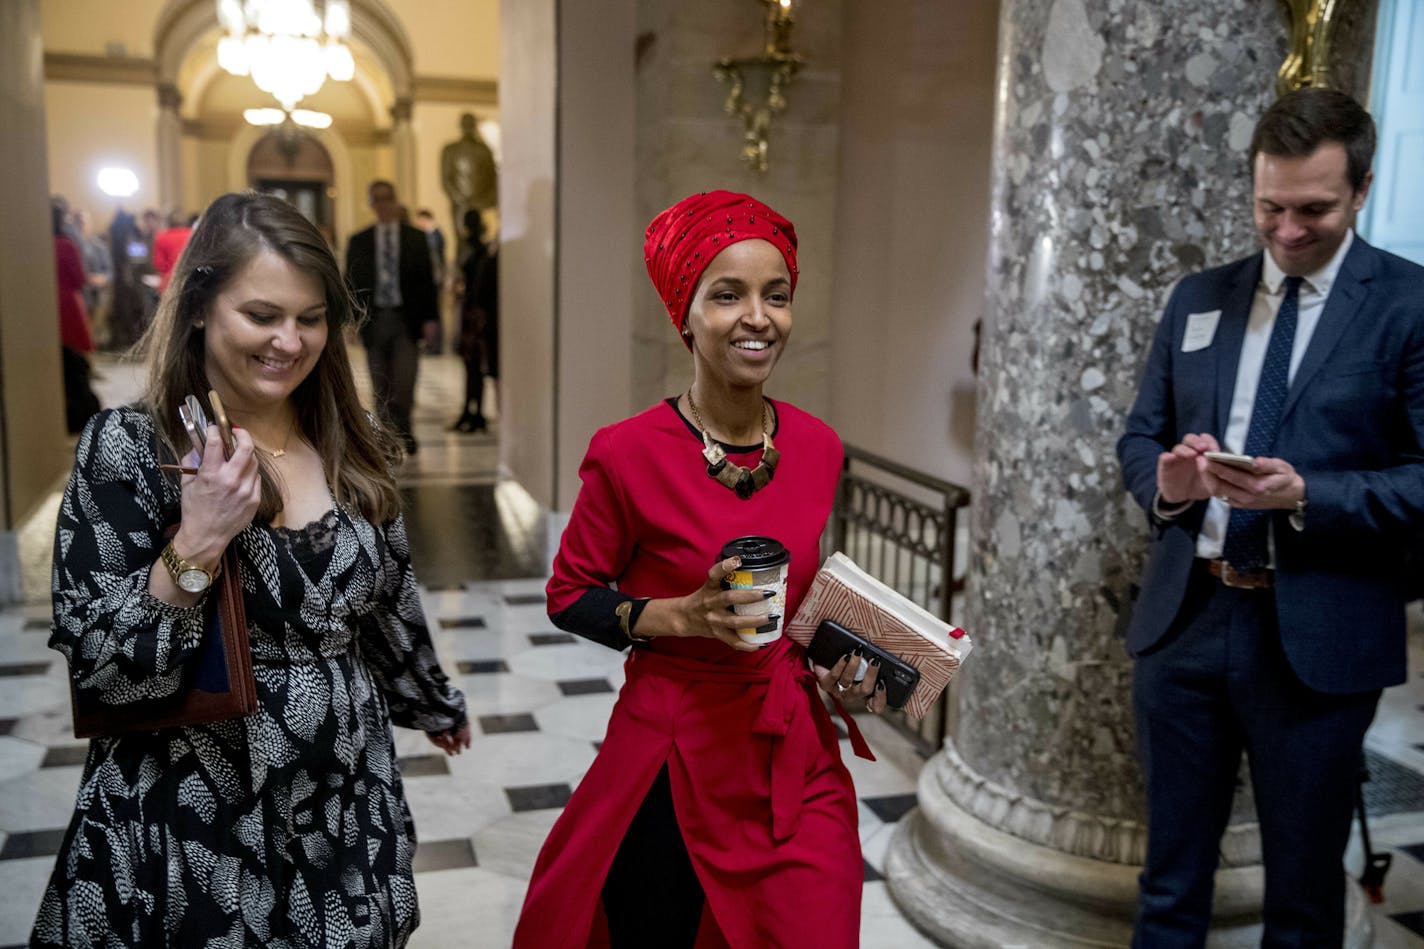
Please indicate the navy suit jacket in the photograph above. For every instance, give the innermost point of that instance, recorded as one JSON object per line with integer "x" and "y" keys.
{"x": 419, "y": 301}
{"x": 1353, "y": 427}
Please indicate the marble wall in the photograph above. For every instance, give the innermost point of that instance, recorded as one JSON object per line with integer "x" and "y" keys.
{"x": 1121, "y": 144}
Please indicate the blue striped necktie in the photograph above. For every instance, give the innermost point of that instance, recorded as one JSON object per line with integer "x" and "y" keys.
{"x": 1246, "y": 531}
{"x": 387, "y": 286}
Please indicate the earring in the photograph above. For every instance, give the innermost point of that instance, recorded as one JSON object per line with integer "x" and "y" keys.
{"x": 198, "y": 324}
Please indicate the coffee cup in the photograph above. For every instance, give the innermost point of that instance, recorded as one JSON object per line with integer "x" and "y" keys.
{"x": 765, "y": 565}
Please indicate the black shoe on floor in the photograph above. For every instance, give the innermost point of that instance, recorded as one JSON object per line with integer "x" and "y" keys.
{"x": 469, "y": 423}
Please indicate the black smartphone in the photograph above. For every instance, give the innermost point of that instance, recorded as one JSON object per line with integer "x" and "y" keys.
{"x": 832, "y": 641}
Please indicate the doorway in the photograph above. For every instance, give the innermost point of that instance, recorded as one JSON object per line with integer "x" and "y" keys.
{"x": 294, "y": 166}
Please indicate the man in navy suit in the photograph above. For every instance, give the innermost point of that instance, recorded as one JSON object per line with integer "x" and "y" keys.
{"x": 388, "y": 269}
{"x": 1271, "y": 612}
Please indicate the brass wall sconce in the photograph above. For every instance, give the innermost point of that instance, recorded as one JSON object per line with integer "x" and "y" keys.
{"x": 757, "y": 84}
{"x": 1312, "y": 25}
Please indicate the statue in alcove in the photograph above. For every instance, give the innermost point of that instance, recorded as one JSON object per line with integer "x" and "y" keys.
{"x": 468, "y": 174}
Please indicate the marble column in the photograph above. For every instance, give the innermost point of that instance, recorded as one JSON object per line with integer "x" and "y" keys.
{"x": 170, "y": 147}
{"x": 403, "y": 141}
{"x": 1120, "y": 164}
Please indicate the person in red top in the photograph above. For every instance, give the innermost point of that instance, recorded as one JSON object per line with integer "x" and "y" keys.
{"x": 75, "y": 335}
{"x": 718, "y": 811}
{"x": 168, "y": 246}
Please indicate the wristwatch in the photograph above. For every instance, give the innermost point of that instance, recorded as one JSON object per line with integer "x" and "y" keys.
{"x": 188, "y": 575}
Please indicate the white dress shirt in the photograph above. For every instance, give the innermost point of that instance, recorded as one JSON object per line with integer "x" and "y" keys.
{"x": 1314, "y": 290}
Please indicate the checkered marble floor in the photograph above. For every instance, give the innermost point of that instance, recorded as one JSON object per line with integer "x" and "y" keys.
{"x": 540, "y": 701}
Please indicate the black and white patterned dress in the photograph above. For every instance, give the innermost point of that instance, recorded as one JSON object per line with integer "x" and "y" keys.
{"x": 287, "y": 828}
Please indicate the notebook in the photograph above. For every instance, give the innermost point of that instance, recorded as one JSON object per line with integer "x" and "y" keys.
{"x": 843, "y": 592}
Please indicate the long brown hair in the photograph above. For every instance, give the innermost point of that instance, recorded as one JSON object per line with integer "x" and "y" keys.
{"x": 356, "y": 453}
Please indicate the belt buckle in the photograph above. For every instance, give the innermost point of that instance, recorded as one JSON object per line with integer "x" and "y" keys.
{"x": 1239, "y": 580}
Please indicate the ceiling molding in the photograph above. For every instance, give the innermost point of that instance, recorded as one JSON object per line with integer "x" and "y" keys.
{"x": 455, "y": 89}
{"x": 226, "y": 129}
{"x": 115, "y": 70}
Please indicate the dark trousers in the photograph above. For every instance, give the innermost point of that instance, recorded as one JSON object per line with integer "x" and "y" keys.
{"x": 80, "y": 402}
{"x": 1221, "y": 685}
{"x": 392, "y": 357}
{"x": 652, "y": 897}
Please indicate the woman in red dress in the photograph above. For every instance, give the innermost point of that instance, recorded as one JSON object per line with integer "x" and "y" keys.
{"x": 718, "y": 811}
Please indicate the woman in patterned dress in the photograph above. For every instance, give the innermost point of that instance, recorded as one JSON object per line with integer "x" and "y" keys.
{"x": 288, "y": 827}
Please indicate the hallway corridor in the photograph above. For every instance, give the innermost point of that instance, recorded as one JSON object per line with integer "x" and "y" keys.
{"x": 539, "y": 699}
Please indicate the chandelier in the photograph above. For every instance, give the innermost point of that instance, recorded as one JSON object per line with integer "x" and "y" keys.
{"x": 289, "y": 47}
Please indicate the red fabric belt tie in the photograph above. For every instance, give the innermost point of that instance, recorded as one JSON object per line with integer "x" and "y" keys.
{"x": 785, "y": 682}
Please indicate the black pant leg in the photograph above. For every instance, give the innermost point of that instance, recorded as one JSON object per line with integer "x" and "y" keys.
{"x": 652, "y": 897}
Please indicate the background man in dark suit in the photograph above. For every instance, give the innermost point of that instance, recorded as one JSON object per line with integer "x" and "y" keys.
{"x": 388, "y": 268}
{"x": 1272, "y": 603}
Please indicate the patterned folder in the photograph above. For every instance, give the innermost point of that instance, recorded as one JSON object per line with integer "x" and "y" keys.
{"x": 847, "y": 594}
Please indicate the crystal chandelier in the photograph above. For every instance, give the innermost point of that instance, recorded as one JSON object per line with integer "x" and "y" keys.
{"x": 289, "y": 47}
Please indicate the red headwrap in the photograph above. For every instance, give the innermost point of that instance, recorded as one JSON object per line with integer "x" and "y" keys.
{"x": 682, "y": 241}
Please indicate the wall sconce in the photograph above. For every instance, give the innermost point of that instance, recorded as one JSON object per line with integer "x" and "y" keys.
{"x": 1313, "y": 24}
{"x": 767, "y": 75}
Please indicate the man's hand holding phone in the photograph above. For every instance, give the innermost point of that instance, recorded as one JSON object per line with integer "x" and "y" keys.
{"x": 1264, "y": 484}
{"x": 1179, "y": 476}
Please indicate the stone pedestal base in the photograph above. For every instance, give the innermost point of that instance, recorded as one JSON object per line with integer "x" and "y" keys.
{"x": 967, "y": 905}
{"x": 970, "y": 885}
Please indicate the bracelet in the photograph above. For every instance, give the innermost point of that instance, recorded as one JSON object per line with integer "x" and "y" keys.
{"x": 624, "y": 611}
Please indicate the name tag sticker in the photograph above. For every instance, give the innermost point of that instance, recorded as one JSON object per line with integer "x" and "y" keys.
{"x": 1201, "y": 329}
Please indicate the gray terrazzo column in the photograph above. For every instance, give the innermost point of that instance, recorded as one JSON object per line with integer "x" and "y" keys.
{"x": 1119, "y": 158}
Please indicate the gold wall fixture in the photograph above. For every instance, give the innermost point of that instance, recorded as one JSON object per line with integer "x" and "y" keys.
{"x": 1312, "y": 28}
{"x": 757, "y": 84}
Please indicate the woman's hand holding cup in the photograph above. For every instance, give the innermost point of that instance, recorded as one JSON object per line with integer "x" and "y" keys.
{"x": 706, "y": 612}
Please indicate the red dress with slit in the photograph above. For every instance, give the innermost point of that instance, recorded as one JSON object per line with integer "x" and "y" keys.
{"x": 766, "y": 806}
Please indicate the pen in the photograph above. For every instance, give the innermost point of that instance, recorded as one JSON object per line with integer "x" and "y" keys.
{"x": 180, "y": 469}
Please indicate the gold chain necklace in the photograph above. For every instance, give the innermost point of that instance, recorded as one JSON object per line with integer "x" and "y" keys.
{"x": 745, "y": 482}
{"x": 279, "y": 452}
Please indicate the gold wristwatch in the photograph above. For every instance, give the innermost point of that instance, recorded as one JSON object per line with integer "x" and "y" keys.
{"x": 189, "y": 576}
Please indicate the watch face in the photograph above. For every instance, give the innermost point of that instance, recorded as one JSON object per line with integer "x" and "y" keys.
{"x": 194, "y": 581}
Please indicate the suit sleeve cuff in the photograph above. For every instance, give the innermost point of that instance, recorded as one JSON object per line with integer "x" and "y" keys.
{"x": 1167, "y": 512}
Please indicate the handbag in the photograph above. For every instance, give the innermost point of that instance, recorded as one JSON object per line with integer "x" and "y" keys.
{"x": 217, "y": 681}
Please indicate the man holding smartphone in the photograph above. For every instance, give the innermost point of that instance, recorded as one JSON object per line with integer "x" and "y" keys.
{"x": 1272, "y": 606}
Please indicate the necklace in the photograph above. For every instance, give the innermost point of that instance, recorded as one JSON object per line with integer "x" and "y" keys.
{"x": 278, "y": 452}
{"x": 743, "y": 481}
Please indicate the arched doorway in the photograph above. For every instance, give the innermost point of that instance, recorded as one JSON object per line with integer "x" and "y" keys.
{"x": 293, "y": 165}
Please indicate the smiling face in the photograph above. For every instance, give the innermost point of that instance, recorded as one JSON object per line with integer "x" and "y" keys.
{"x": 264, "y": 333}
{"x": 1305, "y": 206}
{"x": 740, "y": 315}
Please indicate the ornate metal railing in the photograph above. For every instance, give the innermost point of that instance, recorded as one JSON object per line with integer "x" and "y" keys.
{"x": 900, "y": 525}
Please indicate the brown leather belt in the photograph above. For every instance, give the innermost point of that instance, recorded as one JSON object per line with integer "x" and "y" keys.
{"x": 1259, "y": 579}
